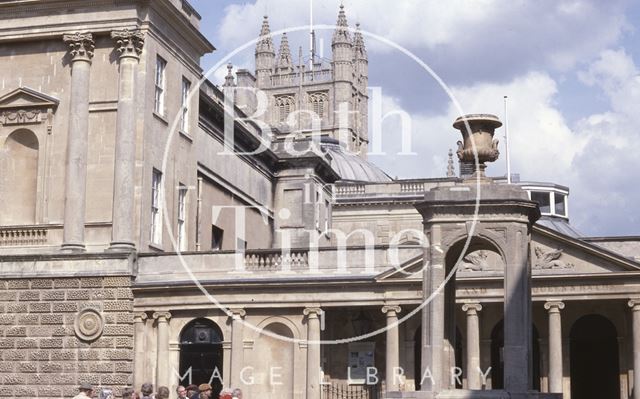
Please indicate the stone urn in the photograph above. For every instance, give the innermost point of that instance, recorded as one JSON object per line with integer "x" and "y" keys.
{"x": 478, "y": 129}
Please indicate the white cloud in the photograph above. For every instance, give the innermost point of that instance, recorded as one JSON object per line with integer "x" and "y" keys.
{"x": 541, "y": 141}
{"x": 515, "y": 34}
{"x": 611, "y": 157}
{"x": 597, "y": 158}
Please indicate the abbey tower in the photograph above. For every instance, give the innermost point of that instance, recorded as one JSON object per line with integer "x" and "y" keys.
{"x": 312, "y": 94}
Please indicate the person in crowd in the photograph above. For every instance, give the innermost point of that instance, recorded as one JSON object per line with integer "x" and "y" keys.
{"x": 128, "y": 393}
{"x": 85, "y": 391}
{"x": 146, "y": 390}
{"x": 226, "y": 393}
{"x": 204, "y": 391}
{"x": 181, "y": 391}
{"x": 237, "y": 394}
{"x": 163, "y": 393}
{"x": 192, "y": 390}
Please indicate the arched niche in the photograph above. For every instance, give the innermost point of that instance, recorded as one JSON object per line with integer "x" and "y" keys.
{"x": 273, "y": 362}
{"x": 19, "y": 178}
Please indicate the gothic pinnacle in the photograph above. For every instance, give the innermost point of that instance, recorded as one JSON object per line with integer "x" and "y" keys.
{"x": 284, "y": 55}
{"x": 341, "y": 34}
{"x": 265, "y": 44}
{"x": 358, "y": 44}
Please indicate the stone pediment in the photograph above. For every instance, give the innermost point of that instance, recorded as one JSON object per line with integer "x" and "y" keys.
{"x": 552, "y": 253}
{"x": 556, "y": 253}
{"x": 25, "y": 97}
{"x": 408, "y": 270}
{"x": 24, "y": 105}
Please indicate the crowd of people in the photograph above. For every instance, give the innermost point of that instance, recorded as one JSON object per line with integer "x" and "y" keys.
{"x": 202, "y": 391}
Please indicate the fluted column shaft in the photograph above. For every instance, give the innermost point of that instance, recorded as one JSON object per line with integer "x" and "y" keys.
{"x": 140, "y": 352}
{"x": 313, "y": 352}
{"x": 237, "y": 346}
{"x": 81, "y": 49}
{"x": 162, "y": 364}
{"x": 393, "y": 347}
{"x": 635, "y": 307}
{"x": 555, "y": 345}
{"x": 129, "y": 45}
{"x": 473, "y": 345}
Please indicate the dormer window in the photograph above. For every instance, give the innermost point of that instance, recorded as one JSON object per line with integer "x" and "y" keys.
{"x": 552, "y": 203}
{"x": 544, "y": 201}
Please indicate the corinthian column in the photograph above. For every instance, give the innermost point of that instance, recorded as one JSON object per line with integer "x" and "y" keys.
{"x": 393, "y": 347}
{"x": 81, "y": 47}
{"x": 313, "y": 352}
{"x": 237, "y": 346}
{"x": 473, "y": 345}
{"x": 129, "y": 44}
{"x": 162, "y": 366}
{"x": 555, "y": 346}
{"x": 635, "y": 306}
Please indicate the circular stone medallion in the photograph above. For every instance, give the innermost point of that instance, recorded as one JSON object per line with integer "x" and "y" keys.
{"x": 89, "y": 324}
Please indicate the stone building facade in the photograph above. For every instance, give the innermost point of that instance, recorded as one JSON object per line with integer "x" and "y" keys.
{"x": 135, "y": 248}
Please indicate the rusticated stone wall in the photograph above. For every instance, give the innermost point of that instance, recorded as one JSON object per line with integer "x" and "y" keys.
{"x": 57, "y": 333}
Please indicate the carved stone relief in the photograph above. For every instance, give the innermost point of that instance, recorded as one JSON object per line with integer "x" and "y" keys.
{"x": 550, "y": 259}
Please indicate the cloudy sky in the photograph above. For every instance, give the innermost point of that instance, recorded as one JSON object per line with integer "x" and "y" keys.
{"x": 571, "y": 70}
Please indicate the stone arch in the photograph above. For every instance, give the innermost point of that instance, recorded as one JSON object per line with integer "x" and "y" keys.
{"x": 273, "y": 362}
{"x": 276, "y": 319}
{"x": 201, "y": 352}
{"x": 594, "y": 358}
{"x": 19, "y": 178}
{"x": 478, "y": 242}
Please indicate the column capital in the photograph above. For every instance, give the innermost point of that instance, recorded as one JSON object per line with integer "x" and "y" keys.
{"x": 81, "y": 45}
{"x": 237, "y": 313}
{"x": 129, "y": 42}
{"x": 312, "y": 313}
{"x": 634, "y": 304}
{"x": 471, "y": 308}
{"x": 162, "y": 317}
{"x": 391, "y": 310}
{"x": 139, "y": 317}
{"x": 554, "y": 306}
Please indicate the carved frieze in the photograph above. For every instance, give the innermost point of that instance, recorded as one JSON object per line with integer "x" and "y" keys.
{"x": 20, "y": 117}
{"x": 25, "y": 106}
{"x": 550, "y": 259}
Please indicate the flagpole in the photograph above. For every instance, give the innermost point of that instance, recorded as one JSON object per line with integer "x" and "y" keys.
{"x": 311, "y": 37}
{"x": 506, "y": 140}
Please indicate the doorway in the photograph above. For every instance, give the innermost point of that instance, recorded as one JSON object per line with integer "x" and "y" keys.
{"x": 594, "y": 359}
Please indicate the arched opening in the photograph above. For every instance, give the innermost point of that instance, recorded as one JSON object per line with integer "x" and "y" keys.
{"x": 19, "y": 178}
{"x": 201, "y": 354}
{"x": 453, "y": 336}
{"x": 594, "y": 359}
{"x": 273, "y": 363}
{"x": 497, "y": 356}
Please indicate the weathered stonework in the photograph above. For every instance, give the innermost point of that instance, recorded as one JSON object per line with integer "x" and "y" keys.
{"x": 41, "y": 354}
